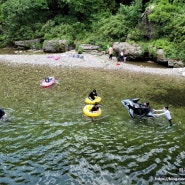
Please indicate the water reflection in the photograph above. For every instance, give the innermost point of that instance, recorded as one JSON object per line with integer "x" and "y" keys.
{"x": 148, "y": 64}
{"x": 47, "y": 141}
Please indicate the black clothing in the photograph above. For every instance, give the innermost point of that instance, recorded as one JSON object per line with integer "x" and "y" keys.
{"x": 145, "y": 111}
{"x": 170, "y": 121}
{"x": 121, "y": 57}
{"x": 110, "y": 56}
{"x": 92, "y": 95}
{"x": 95, "y": 108}
{"x": 2, "y": 112}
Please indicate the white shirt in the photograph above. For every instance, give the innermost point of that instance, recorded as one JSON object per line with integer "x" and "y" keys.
{"x": 166, "y": 112}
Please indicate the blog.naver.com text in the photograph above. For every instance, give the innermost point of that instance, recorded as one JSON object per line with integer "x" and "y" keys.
{"x": 169, "y": 179}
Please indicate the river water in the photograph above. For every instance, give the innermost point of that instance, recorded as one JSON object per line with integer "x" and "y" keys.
{"x": 47, "y": 141}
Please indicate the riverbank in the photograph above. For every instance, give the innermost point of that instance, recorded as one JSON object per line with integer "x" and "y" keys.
{"x": 72, "y": 59}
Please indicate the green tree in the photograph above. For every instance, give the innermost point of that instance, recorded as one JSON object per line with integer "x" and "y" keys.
{"x": 116, "y": 27}
{"x": 168, "y": 18}
{"x": 112, "y": 28}
{"x": 132, "y": 13}
{"x": 23, "y": 18}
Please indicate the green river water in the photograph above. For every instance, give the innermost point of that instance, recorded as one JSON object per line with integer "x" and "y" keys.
{"x": 47, "y": 141}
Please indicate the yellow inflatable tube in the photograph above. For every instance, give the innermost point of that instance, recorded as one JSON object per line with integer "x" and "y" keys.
{"x": 87, "y": 111}
{"x": 92, "y": 102}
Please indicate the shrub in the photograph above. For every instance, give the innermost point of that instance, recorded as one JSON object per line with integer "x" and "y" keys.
{"x": 145, "y": 50}
{"x": 136, "y": 34}
{"x": 112, "y": 28}
{"x": 171, "y": 50}
{"x": 152, "y": 52}
{"x": 79, "y": 49}
{"x": 132, "y": 13}
{"x": 160, "y": 43}
{"x": 149, "y": 51}
{"x": 2, "y": 41}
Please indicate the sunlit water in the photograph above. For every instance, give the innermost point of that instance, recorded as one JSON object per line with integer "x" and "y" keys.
{"x": 47, "y": 140}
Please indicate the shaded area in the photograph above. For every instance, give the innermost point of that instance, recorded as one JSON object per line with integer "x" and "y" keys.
{"x": 170, "y": 96}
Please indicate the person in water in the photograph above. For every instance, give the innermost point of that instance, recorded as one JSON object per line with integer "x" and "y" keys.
{"x": 95, "y": 107}
{"x": 142, "y": 109}
{"x": 92, "y": 95}
{"x": 145, "y": 109}
{"x": 48, "y": 79}
{"x": 2, "y": 113}
{"x": 165, "y": 111}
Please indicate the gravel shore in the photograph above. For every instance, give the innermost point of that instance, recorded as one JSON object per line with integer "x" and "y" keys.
{"x": 72, "y": 59}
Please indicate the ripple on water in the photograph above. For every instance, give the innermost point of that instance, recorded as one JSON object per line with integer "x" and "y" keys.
{"x": 47, "y": 141}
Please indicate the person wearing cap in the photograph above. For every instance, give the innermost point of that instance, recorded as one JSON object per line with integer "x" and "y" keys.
{"x": 92, "y": 95}
{"x": 95, "y": 107}
{"x": 165, "y": 111}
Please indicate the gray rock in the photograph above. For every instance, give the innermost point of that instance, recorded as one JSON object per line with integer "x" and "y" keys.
{"x": 55, "y": 46}
{"x": 27, "y": 44}
{"x": 133, "y": 52}
{"x": 90, "y": 49}
{"x": 170, "y": 62}
{"x": 148, "y": 26}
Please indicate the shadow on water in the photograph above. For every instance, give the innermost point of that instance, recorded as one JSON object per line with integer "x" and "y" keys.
{"x": 169, "y": 92}
{"x": 47, "y": 140}
{"x": 147, "y": 64}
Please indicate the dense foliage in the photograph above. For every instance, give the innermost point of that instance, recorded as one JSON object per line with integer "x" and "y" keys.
{"x": 168, "y": 18}
{"x": 100, "y": 21}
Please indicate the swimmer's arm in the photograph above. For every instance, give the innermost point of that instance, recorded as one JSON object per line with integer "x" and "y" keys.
{"x": 161, "y": 110}
{"x": 157, "y": 115}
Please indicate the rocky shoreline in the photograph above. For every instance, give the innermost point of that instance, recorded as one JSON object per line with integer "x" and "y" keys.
{"x": 72, "y": 59}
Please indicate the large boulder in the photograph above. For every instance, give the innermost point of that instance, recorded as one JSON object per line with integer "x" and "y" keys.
{"x": 90, "y": 49}
{"x": 148, "y": 26}
{"x": 170, "y": 62}
{"x": 133, "y": 52}
{"x": 27, "y": 44}
{"x": 56, "y": 46}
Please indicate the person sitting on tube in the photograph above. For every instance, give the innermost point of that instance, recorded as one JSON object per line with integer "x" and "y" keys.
{"x": 48, "y": 79}
{"x": 92, "y": 95}
{"x": 95, "y": 107}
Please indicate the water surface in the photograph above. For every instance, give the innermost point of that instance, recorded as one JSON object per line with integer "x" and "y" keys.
{"x": 47, "y": 140}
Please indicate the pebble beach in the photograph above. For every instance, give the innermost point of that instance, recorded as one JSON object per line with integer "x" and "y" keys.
{"x": 72, "y": 59}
